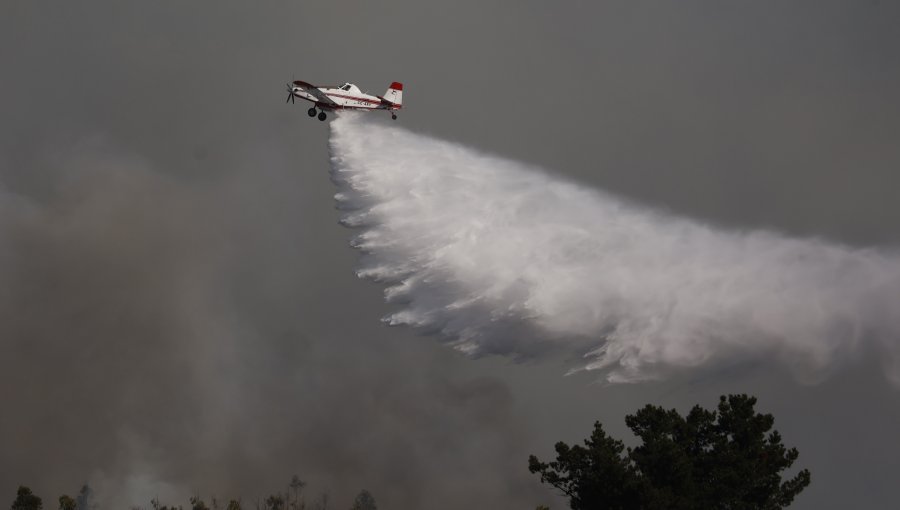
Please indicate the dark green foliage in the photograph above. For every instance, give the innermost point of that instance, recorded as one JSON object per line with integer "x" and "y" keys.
{"x": 154, "y": 503}
{"x": 364, "y": 501}
{"x": 66, "y": 502}
{"x": 594, "y": 476}
{"x": 722, "y": 459}
{"x": 275, "y": 502}
{"x": 26, "y": 500}
{"x": 296, "y": 484}
{"x": 198, "y": 504}
{"x": 294, "y": 498}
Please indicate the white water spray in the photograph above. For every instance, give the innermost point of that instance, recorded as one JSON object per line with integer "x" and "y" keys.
{"x": 498, "y": 257}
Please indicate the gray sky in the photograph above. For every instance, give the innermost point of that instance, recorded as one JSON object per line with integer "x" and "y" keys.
{"x": 178, "y": 309}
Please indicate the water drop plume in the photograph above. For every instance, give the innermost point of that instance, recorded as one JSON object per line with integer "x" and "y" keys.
{"x": 497, "y": 257}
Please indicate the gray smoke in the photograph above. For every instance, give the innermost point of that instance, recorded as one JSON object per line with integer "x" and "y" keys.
{"x": 165, "y": 336}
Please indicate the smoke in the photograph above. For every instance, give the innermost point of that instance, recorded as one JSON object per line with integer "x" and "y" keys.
{"x": 496, "y": 257}
{"x": 166, "y": 335}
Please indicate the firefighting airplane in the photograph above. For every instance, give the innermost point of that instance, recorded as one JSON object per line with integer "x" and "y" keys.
{"x": 345, "y": 97}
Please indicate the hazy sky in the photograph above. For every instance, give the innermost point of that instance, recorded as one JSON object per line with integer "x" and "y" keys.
{"x": 178, "y": 306}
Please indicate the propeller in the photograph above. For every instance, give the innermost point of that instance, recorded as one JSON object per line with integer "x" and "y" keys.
{"x": 290, "y": 98}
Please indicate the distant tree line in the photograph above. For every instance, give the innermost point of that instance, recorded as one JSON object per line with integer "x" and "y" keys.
{"x": 725, "y": 458}
{"x": 27, "y": 500}
{"x": 292, "y": 498}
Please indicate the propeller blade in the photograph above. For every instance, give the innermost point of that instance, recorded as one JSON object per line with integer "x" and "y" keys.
{"x": 290, "y": 96}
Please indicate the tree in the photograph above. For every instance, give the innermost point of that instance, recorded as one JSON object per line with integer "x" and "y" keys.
{"x": 26, "y": 500}
{"x": 197, "y": 503}
{"x": 726, "y": 458}
{"x": 83, "y": 499}
{"x": 275, "y": 502}
{"x": 296, "y": 486}
{"x": 66, "y": 502}
{"x": 364, "y": 501}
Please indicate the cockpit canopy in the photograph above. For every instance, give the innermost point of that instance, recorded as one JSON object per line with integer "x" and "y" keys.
{"x": 348, "y": 86}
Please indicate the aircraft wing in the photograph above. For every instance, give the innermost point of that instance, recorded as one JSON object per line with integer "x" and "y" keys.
{"x": 314, "y": 91}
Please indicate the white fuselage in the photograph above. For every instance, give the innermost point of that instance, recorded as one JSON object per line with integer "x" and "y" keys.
{"x": 345, "y": 96}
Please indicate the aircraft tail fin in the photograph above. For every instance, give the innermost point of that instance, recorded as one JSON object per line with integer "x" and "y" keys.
{"x": 394, "y": 93}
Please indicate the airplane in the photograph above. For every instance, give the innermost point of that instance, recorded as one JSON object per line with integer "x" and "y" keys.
{"x": 345, "y": 97}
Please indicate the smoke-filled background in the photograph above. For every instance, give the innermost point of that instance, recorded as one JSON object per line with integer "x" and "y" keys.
{"x": 179, "y": 307}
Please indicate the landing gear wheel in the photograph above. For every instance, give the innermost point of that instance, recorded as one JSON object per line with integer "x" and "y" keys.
{"x": 322, "y": 115}
{"x": 394, "y": 116}
{"x": 311, "y": 112}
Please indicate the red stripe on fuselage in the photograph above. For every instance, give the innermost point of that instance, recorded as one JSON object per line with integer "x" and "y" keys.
{"x": 335, "y": 106}
{"x": 384, "y": 103}
{"x": 365, "y": 99}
